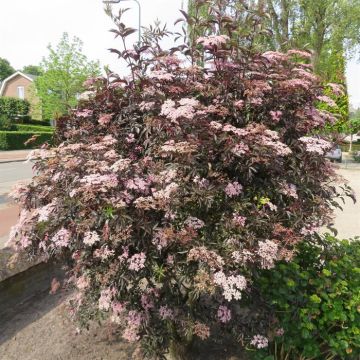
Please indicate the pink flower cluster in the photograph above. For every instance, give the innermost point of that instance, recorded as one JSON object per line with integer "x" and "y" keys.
{"x": 233, "y": 189}
{"x": 104, "y": 253}
{"x": 62, "y": 238}
{"x": 183, "y": 147}
{"x": 224, "y": 314}
{"x": 45, "y": 211}
{"x": 301, "y": 53}
{"x": 84, "y": 113}
{"x": 91, "y": 237}
{"x": 137, "y": 262}
{"x": 260, "y": 342}
{"x": 271, "y": 139}
{"x": 268, "y": 252}
{"x": 194, "y": 222}
{"x": 328, "y": 101}
{"x": 202, "y": 254}
{"x": 162, "y": 238}
{"x": 161, "y": 75}
{"x": 166, "y": 313}
{"x": 275, "y": 56}
{"x": 201, "y": 330}
{"x": 138, "y": 184}
{"x": 105, "y": 299}
{"x": 104, "y": 181}
{"x": 232, "y": 285}
{"x": 104, "y": 119}
{"x": 134, "y": 320}
{"x": 213, "y": 40}
{"x": 240, "y": 149}
{"x": 276, "y": 115}
{"x": 187, "y": 109}
{"x": 337, "y": 89}
{"x": 238, "y": 220}
{"x": 242, "y": 257}
{"x": 289, "y": 190}
{"x": 315, "y": 145}
{"x": 83, "y": 282}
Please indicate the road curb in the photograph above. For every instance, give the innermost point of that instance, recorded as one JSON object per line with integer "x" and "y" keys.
{"x": 20, "y": 265}
{"x": 11, "y": 161}
{"x": 25, "y": 286}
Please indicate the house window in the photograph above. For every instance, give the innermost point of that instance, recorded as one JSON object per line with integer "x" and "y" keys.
{"x": 21, "y": 92}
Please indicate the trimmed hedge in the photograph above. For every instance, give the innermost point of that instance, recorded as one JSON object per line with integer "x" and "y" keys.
{"x": 34, "y": 128}
{"x": 14, "y": 140}
{"x": 38, "y": 122}
{"x": 346, "y": 147}
{"x": 13, "y": 107}
{"x": 6, "y": 124}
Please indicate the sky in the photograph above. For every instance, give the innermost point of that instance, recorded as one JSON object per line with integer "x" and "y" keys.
{"x": 28, "y": 26}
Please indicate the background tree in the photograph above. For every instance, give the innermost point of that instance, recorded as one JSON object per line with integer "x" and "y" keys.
{"x": 32, "y": 70}
{"x": 324, "y": 26}
{"x": 353, "y": 125}
{"x": 249, "y": 19}
{"x": 5, "y": 69}
{"x": 64, "y": 71}
{"x": 329, "y": 28}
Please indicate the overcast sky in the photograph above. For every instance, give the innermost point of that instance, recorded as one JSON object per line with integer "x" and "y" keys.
{"x": 28, "y": 26}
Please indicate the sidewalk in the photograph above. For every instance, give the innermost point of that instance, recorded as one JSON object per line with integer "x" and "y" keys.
{"x": 8, "y": 218}
{"x": 13, "y": 155}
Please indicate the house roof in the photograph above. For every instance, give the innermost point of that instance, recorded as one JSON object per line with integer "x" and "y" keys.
{"x": 31, "y": 76}
{"x": 26, "y": 76}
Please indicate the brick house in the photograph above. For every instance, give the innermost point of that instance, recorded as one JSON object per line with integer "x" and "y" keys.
{"x": 21, "y": 86}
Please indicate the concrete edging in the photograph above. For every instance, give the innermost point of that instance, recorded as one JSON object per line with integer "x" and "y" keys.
{"x": 11, "y": 161}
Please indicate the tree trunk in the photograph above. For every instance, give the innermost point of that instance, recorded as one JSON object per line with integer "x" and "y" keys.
{"x": 180, "y": 349}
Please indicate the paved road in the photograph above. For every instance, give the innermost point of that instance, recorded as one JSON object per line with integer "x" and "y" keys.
{"x": 10, "y": 173}
{"x": 347, "y": 222}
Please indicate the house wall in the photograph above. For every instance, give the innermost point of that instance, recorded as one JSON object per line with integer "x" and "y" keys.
{"x": 30, "y": 94}
{"x": 12, "y": 84}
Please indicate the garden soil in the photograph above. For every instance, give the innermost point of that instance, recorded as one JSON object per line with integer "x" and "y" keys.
{"x": 42, "y": 330}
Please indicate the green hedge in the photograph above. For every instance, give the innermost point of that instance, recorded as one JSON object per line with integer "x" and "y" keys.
{"x": 13, "y": 107}
{"x": 33, "y": 128}
{"x": 38, "y": 122}
{"x": 14, "y": 140}
{"x": 355, "y": 147}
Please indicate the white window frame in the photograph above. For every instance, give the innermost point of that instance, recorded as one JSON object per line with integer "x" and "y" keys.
{"x": 21, "y": 92}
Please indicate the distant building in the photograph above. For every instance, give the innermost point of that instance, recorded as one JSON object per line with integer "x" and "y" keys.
{"x": 21, "y": 86}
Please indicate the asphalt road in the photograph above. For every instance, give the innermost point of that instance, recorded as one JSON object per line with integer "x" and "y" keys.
{"x": 10, "y": 173}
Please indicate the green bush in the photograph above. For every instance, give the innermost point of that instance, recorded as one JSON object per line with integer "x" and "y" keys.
{"x": 357, "y": 156}
{"x": 14, "y": 140}
{"x": 316, "y": 299}
{"x": 33, "y": 128}
{"x": 39, "y": 122}
{"x": 355, "y": 147}
{"x": 13, "y": 107}
{"x": 6, "y": 124}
